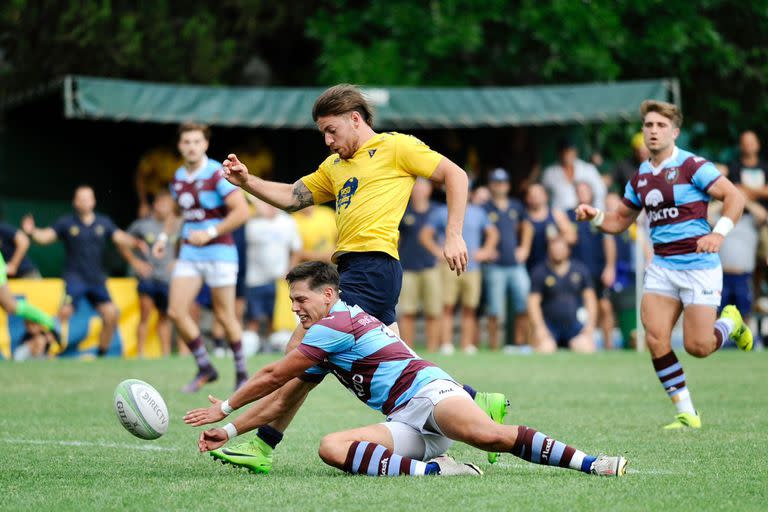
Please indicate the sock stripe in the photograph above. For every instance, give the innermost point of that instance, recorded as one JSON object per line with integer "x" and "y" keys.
{"x": 538, "y": 441}
{"x": 665, "y": 361}
{"x": 375, "y": 461}
{"x": 670, "y": 369}
{"x": 362, "y": 456}
{"x": 673, "y": 382}
{"x": 349, "y": 462}
{"x": 565, "y": 460}
{"x": 393, "y": 468}
{"x": 557, "y": 453}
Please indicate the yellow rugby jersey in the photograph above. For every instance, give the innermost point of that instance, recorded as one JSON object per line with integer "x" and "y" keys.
{"x": 372, "y": 189}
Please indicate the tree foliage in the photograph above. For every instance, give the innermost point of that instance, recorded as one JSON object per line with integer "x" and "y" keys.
{"x": 717, "y": 48}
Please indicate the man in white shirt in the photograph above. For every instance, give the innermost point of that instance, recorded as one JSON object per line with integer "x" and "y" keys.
{"x": 272, "y": 241}
{"x": 560, "y": 178}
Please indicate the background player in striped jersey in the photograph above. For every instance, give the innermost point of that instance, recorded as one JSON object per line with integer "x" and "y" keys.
{"x": 370, "y": 177}
{"x": 426, "y": 409}
{"x": 211, "y": 211}
{"x": 674, "y": 187}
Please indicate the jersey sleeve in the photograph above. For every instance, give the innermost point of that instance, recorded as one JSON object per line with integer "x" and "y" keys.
{"x": 537, "y": 280}
{"x": 109, "y": 226}
{"x": 586, "y": 277}
{"x": 631, "y": 200}
{"x": 320, "y": 184}
{"x": 61, "y": 227}
{"x": 705, "y": 176}
{"x": 223, "y": 187}
{"x": 415, "y": 157}
{"x": 321, "y": 341}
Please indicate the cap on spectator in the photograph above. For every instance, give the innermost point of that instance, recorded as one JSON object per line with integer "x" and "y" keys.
{"x": 565, "y": 143}
{"x": 637, "y": 141}
{"x": 498, "y": 174}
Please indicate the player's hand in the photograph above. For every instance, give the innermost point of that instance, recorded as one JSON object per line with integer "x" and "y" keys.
{"x": 199, "y": 238}
{"x": 485, "y": 255}
{"x": 710, "y": 243}
{"x": 158, "y": 249}
{"x": 211, "y": 439}
{"x": 235, "y": 171}
{"x": 455, "y": 253}
{"x": 28, "y": 224}
{"x": 585, "y": 212}
{"x": 142, "y": 268}
{"x": 142, "y": 246}
{"x": 204, "y": 416}
{"x": 608, "y": 277}
{"x": 11, "y": 269}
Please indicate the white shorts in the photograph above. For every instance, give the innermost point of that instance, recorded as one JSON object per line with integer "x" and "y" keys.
{"x": 214, "y": 273}
{"x": 414, "y": 430}
{"x": 700, "y": 286}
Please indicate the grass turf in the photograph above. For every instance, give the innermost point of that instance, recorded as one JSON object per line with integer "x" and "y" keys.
{"x": 63, "y": 448}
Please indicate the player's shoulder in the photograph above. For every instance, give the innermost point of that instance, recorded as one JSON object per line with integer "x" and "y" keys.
{"x": 577, "y": 267}
{"x": 400, "y": 139}
{"x": 330, "y": 161}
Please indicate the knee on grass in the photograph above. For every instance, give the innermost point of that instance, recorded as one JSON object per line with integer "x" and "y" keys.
{"x": 333, "y": 449}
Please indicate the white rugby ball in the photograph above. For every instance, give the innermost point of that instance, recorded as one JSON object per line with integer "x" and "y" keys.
{"x": 141, "y": 409}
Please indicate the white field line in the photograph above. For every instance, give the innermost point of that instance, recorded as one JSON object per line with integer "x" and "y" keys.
{"x": 91, "y": 444}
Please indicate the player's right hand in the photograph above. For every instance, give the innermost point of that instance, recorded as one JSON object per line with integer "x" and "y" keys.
{"x": 455, "y": 253}
{"x": 235, "y": 171}
{"x": 585, "y": 212}
{"x": 28, "y": 224}
{"x": 143, "y": 269}
{"x": 211, "y": 439}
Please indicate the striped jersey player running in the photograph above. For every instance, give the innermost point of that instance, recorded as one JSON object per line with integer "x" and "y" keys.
{"x": 674, "y": 187}
{"x": 426, "y": 409}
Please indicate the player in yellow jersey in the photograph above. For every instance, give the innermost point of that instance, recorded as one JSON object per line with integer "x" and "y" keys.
{"x": 370, "y": 176}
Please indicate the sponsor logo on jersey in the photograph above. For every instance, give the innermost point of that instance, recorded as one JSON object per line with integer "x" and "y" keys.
{"x": 663, "y": 214}
{"x": 642, "y": 183}
{"x": 550, "y": 281}
{"x": 186, "y": 200}
{"x": 409, "y": 220}
{"x": 575, "y": 278}
{"x": 371, "y": 152}
{"x": 493, "y": 217}
{"x": 74, "y": 231}
{"x": 654, "y": 198}
{"x": 344, "y": 198}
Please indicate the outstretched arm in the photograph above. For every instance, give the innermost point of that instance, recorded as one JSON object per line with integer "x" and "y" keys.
{"x": 261, "y": 384}
{"x": 613, "y": 222}
{"x": 22, "y": 245}
{"x": 42, "y": 236}
{"x": 269, "y": 409}
{"x": 281, "y": 195}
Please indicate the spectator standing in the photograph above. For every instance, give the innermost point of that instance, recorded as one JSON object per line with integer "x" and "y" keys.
{"x": 154, "y": 273}
{"x": 272, "y": 242}
{"x": 546, "y": 223}
{"x": 506, "y": 275}
{"x": 596, "y": 251}
{"x": 627, "y": 168}
{"x": 481, "y": 238}
{"x": 421, "y": 275}
{"x": 560, "y": 179}
{"x": 559, "y": 287}
{"x": 14, "y": 244}
{"x": 85, "y": 234}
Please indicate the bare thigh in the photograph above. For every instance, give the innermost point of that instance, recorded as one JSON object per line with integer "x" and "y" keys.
{"x": 698, "y": 329}
{"x": 659, "y": 314}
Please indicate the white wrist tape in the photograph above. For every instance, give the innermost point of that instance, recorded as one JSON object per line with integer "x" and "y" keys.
{"x": 599, "y": 218}
{"x": 226, "y": 408}
{"x": 212, "y": 231}
{"x": 723, "y": 226}
{"x": 230, "y": 429}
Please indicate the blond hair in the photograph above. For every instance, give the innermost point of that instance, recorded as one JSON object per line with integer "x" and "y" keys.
{"x": 668, "y": 110}
{"x": 341, "y": 99}
{"x": 195, "y": 127}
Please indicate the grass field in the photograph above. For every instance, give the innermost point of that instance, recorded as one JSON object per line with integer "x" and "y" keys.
{"x": 63, "y": 448}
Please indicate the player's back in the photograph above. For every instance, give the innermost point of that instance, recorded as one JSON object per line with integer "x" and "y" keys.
{"x": 367, "y": 358}
{"x": 675, "y": 198}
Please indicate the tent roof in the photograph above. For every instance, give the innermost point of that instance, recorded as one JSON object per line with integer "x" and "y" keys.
{"x": 396, "y": 107}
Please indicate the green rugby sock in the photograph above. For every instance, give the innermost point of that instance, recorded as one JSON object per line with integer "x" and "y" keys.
{"x": 32, "y": 313}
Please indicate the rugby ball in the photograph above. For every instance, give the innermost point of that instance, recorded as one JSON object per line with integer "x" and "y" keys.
{"x": 141, "y": 409}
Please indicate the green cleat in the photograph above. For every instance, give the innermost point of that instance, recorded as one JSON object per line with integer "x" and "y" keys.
{"x": 256, "y": 455}
{"x": 684, "y": 420}
{"x": 495, "y": 406}
{"x": 741, "y": 333}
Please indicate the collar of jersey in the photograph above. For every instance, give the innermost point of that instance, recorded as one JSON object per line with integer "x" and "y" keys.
{"x": 189, "y": 178}
{"x": 657, "y": 170}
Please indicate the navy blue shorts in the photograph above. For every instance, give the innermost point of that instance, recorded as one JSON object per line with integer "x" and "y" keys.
{"x": 371, "y": 280}
{"x": 737, "y": 290}
{"x": 157, "y": 291}
{"x": 95, "y": 293}
{"x": 260, "y": 301}
{"x": 565, "y": 332}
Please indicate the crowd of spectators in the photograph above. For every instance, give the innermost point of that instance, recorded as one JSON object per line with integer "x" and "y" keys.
{"x": 536, "y": 279}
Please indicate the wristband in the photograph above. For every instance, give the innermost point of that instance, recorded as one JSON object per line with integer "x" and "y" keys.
{"x": 723, "y": 226}
{"x": 162, "y": 237}
{"x": 230, "y": 429}
{"x": 226, "y": 408}
{"x": 599, "y": 218}
{"x": 212, "y": 231}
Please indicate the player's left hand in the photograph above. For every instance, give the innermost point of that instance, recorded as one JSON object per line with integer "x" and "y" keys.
{"x": 211, "y": 439}
{"x": 710, "y": 243}
{"x": 204, "y": 416}
{"x": 198, "y": 238}
{"x": 455, "y": 253}
{"x": 11, "y": 269}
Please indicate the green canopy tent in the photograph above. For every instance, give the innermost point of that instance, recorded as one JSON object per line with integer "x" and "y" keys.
{"x": 397, "y": 107}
